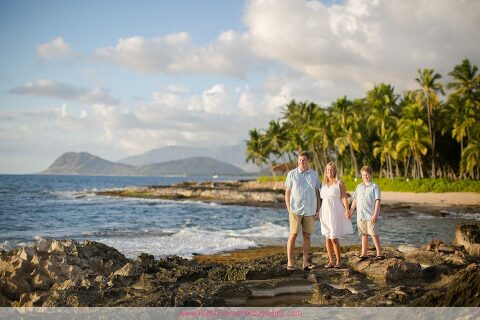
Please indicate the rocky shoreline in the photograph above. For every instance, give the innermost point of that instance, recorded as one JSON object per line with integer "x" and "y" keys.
{"x": 67, "y": 273}
{"x": 271, "y": 194}
{"x": 238, "y": 192}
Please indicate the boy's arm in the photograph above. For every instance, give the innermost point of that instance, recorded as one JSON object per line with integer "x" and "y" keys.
{"x": 287, "y": 198}
{"x": 376, "y": 211}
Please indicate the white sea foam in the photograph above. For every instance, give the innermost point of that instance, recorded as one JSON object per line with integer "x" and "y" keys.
{"x": 464, "y": 215}
{"x": 266, "y": 230}
{"x": 5, "y": 245}
{"x": 184, "y": 243}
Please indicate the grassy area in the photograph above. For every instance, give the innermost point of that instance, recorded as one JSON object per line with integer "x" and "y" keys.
{"x": 271, "y": 179}
{"x": 405, "y": 185}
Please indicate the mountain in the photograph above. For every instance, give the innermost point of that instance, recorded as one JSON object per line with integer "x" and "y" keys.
{"x": 166, "y": 154}
{"x": 191, "y": 166}
{"x": 87, "y": 164}
{"x": 233, "y": 154}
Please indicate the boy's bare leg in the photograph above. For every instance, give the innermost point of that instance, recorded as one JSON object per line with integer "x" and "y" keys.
{"x": 376, "y": 242}
{"x": 364, "y": 245}
{"x": 336, "y": 248}
{"x": 329, "y": 246}
{"x": 291, "y": 248}
{"x": 306, "y": 248}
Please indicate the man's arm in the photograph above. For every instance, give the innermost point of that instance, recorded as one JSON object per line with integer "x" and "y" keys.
{"x": 287, "y": 198}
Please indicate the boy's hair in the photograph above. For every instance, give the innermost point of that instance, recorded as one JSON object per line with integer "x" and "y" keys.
{"x": 367, "y": 169}
{"x": 304, "y": 154}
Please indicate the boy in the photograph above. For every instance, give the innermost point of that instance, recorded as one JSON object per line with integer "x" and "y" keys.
{"x": 366, "y": 199}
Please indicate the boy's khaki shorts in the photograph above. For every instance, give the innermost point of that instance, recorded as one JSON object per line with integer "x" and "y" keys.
{"x": 368, "y": 227}
{"x": 307, "y": 222}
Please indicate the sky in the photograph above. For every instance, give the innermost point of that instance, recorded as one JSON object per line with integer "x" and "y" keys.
{"x": 119, "y": 78}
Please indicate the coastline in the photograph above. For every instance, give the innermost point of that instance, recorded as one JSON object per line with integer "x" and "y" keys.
{"x": 271, "y": 194}
{"x": 66, "y": 273}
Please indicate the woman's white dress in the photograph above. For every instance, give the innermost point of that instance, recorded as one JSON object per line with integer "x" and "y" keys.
{"x": 334, "y": 224}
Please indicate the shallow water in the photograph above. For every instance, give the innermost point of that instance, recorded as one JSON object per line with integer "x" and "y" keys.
{"x": 65, "y": 207}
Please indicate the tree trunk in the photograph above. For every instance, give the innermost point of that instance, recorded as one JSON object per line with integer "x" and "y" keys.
{"x": 414, "y": 169}
{"x": 432, "y": 138}
{"x": 420, "y": 167}
{"x": 354, "y": 160}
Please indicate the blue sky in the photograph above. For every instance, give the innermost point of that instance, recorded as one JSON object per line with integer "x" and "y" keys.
{"x": 118, "y": 78}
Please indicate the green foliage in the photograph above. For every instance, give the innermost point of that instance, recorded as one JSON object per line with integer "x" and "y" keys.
{"x": 418, "y": 185}
{"x": 262, "y": 179}
{"x": 417, "y": 134}
{"x": 402, "y": 184}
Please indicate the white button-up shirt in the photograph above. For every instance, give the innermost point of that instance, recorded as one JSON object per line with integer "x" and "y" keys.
{"x": 366, "y": 197}
{"x": 303, "y": 186}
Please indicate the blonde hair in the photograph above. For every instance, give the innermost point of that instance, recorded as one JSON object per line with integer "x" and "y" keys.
{"x": 331, "y": 164}
{"x": 367, "y": 169}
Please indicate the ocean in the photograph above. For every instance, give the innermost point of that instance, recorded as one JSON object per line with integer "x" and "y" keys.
{"x": 34, "y": 207}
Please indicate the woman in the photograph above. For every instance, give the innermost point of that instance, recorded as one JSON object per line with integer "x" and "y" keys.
{"x": 335, "y": 214}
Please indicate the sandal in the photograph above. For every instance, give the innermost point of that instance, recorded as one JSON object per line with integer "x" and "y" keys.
{"x": 309, "y": 267}
{"x": 338, "y": 267}
{"x": 329, "y": 266}
{"x": 290, "y": 268}
{"x": 379, "y": 257}
{"x": 362, "y": 258}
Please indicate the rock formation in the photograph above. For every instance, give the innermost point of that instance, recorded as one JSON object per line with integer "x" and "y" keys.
{"x": 69, "y": 273}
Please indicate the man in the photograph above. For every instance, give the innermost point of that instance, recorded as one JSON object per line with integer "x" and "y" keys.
{"x": 302, "y": 197}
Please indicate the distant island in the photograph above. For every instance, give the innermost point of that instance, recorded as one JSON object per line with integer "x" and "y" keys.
{"x": 83, "y": 163}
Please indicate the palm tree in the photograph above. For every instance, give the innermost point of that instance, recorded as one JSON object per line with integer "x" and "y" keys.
{"x": 430, "y": 87}
{"x": 470, "y": 162}
{"x": 275, "y": 140}
{"x": 464, "y": 102}
{"x": 345, "y": 128}
{"x": 381, "y": 101}
{"x": 319, "y": 138}
{"x": 256, "y": 151}
{"x": 466, "y": 81}
{"x": 459, "y": 118}
{"x": 386, "y": 148}
{"x": 413, "y": 139}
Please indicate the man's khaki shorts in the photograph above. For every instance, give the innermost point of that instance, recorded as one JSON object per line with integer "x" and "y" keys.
{"x": 368, "y": 227}
{"x": 307, "y": 223}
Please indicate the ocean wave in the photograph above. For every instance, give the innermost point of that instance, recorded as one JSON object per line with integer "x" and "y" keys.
{"x": 128, "y": 233}
{"x": 185, "y": 243}
{"x": 266, "y": 230}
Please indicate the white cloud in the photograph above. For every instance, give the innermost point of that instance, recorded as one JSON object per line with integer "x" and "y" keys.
{"x": 57, "y": 48}
{"x": 215, "y": 99}
{"x": 358, "y": 43}
{"x": 229, "y": 54}
{"x": 60, "y": 90}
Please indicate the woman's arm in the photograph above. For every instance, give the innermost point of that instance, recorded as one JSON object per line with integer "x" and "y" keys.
{"x": 343, "y": 194}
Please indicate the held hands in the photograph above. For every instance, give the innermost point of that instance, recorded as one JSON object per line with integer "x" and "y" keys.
{"x": 348, "y": 214}
{"x": 317, "y": 216}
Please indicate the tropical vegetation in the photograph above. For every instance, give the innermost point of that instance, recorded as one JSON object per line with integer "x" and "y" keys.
{"x": 431, "y": 131}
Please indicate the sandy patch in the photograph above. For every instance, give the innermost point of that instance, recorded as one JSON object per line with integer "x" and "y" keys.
{"x": 441, "y": 199}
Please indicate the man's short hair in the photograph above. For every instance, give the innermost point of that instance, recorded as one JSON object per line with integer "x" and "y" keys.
{"x": 367, "y": 169}
{"x": 304, "y": 154}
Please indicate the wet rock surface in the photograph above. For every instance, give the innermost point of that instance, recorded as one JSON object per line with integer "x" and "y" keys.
{"x": 468, "y": 235}
{"x": 70, "y": 273}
